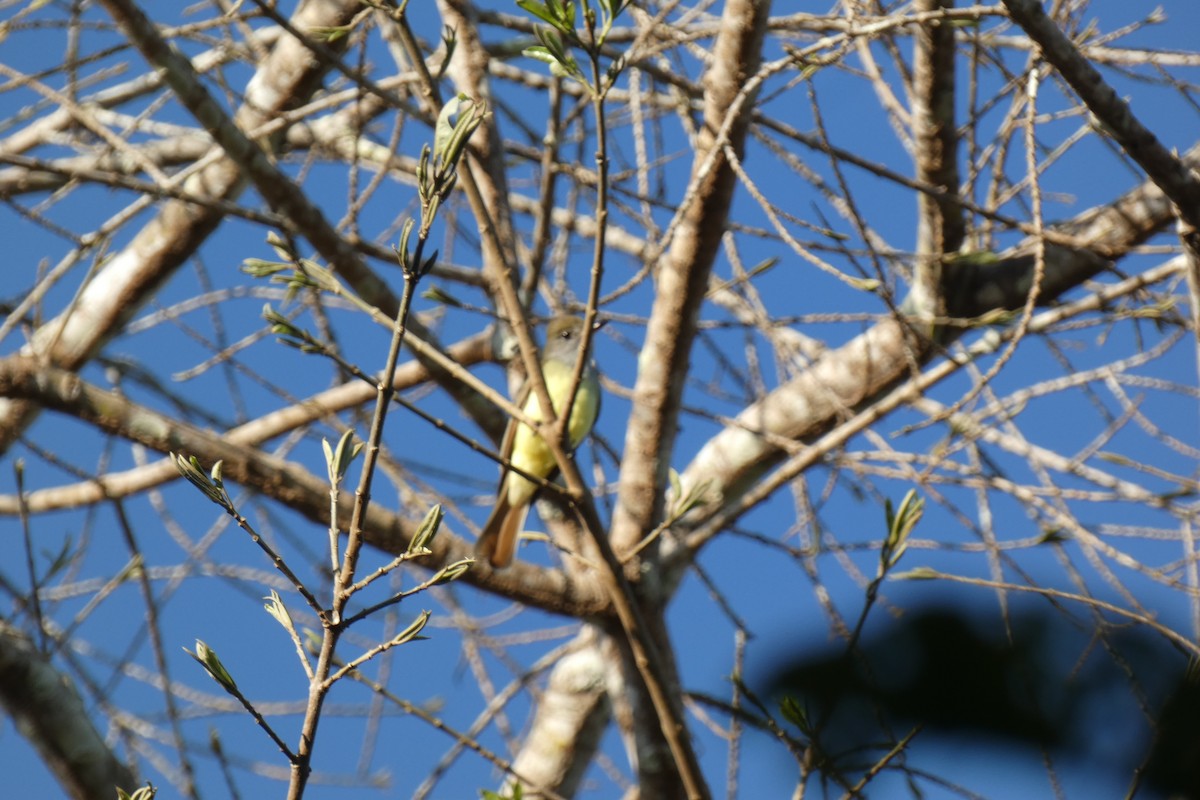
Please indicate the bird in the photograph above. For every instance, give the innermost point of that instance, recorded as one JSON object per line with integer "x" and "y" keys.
{"x": 527, "y": 450}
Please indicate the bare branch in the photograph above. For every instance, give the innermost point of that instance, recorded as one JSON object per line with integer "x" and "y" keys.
{"x": 1176, "y": 180}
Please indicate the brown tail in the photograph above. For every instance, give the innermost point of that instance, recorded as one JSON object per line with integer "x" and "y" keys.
{"x": 498, "y": 542}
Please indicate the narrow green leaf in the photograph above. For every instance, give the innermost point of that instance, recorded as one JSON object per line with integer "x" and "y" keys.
{"x": 338, "y": 459}
{"x": 446, "y": 121}
{"x": 207, "y": 658}
{"x": 414, "y": 628}
{"x": 437, "y": 294}
{"x": 428, "y": 529}
{"x": 276, "y": 609}
{"x": 918, "y": 574}
{"x": 453, "y": 571}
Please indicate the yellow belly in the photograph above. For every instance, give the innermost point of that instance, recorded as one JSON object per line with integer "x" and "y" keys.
{"x": 530, "y": 452}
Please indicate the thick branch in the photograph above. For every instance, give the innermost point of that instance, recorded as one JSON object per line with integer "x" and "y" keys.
{"x": 681, "y": 284}
{"x": 845, "y": 378}
{"x": 941, "y": 227}
{"x": 276, "y": 423}
{"x": 49, "y": 713}
{"x": 569, "y": 721}
{"x": 283, "y": 481}
{"x": 682, "y": 278}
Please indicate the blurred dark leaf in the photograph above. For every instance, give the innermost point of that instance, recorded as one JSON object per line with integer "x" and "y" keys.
{"x": 955, "y": 673}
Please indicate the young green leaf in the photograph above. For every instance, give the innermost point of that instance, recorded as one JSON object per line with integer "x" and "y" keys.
{"x": 427, "y": 529}
{"x": 208, "y": 659}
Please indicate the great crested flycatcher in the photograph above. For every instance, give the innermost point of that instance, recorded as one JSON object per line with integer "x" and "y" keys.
{"x": 527, "y": 450}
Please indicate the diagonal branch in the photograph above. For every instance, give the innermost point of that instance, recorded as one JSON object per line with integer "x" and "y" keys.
{"x": 285, "y": 197}
{"x": 1163, "y": 167}
{"x": 283, "y": 481}
{"x": 843, "y": 379}
{"x": 131, "y": 277}
{"x": 279, "y": 190}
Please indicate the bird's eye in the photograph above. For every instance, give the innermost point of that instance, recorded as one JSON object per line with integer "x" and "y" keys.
{"x": 566, "y": 334}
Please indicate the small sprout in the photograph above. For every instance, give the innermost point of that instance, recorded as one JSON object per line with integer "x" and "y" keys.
{"x": 276, "y": 609}
{"x": 444, "y": 129}
{"x": 996, "y": 316}
{"x": 1052, "y": 536}
{"x": 329, "y": 34}
{"x": 208, "y": 659}
{"x": 261, "y": 268}
{"x": 279, "y": 323}
{"x": 454, "y": 127}
{"x": 975, "y": 258}
{"x": 515, "y": 793}
{"x": 452, "y": 572}
{"x": 437, "y": 294}
{"x": 134, "y": 570}
{"x": 540, "y": 53}
{"x": 554, "y": 40}
{"x": 450, "y": 40}
{"x": 427, "y": 530}
{"x": 437, "y": 173}
{"x": 190, "y": 469}
{"x": 339, "y": 459}
{"x": 864, "y": 284}
{"x": 796, "y": 714}
{"x": 1153, "y": 310}
{"x": 428, "y": 263}
{"x": 59, "y": 560}
{"x": 281, "y": 246}
{"x": 212, "y": 487}
{"x": 613, "y": 10}
{"x": 762, "y": 267}
{"x": 305, "y": 274}
{"x": 900, "y": 522}
{"x": 424, "y": 187}
{"x": 414, "y": 628}
{"x": 402, "y": 255}
{"x": 918, "y": 574}
{"x": 696, "y": 495}
{"x": 146, "y": 792}
{"x": 289, "y": 334}
{"x": 616, "y": 67}
{"x": 286, "y": 332}
{"x": 552, "y": 52}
